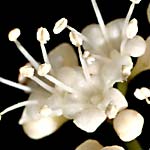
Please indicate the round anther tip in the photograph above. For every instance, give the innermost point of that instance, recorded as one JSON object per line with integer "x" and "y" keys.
{"x": 14, "y": 34}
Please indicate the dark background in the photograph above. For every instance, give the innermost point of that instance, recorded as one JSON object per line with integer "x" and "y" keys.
{"x": 28, "y": 17}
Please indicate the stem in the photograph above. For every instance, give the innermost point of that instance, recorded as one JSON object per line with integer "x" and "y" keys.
{"x": 122, "y": 87}
{"x": 133, "y": 145}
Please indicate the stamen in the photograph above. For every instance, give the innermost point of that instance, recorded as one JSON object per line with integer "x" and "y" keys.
{"x": 60, "y": 25}
{"x": 21, "y": 78}
{"x": 90, "y": 60}
{"x": 60, "y": 84}
{"x": 16, "y": 85}
{"x": 77, "y": 41}
{"x": 132, "y": 29}
{"x": 78, "y": 33}
{"x": 43, "y": 36}
{"x": 13, "y": 35}
{"x": 86, "y": 54}
{"x": 43, "y": 69}
{"x": 29, "y": 72}
{"x": 84, "y": 65}
{"x": 101, "y": 22}
{"x": 43, "y": 84}
{"x": 34, "y": 63}
{"x": 45, "y": 111}
{"x": 142, "y": 93}
{"x": 18, "y": 105}
{"x": 126, "y": 71}
{"x": 130, "y": 11}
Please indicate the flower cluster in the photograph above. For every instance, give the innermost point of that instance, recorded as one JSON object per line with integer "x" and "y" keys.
{"x": 62, "y": 89}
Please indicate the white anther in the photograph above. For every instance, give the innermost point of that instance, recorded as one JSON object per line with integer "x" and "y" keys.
{"x": 14, "y": 34}
{"x": 90, "y": 60}
{"x": 132, "y": 29}
{"x": 86, "y": 54}
{"x": 142, "y": 93}
{"x": 111, "y": 111}
{"x": 45, "y": 111}
{"x": 75, "y": 39}
{"x": 27, "y": 71}
{"x": 43, "y": 69}
{"x": 126, "y": 71}
{"x": 60, "y": 25}
{"x": 43, "y": 35}
{"x": 22, "y": 79}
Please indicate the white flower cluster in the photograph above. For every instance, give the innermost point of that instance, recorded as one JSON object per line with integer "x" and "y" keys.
{"x": 61, "y": 89}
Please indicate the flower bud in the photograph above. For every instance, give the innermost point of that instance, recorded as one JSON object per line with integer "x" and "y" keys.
{"x": 128, "y": 124}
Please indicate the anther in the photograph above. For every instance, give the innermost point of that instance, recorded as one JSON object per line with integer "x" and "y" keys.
{"x": 132, "y": 29}
{"x": 60, "y": 25}
{"x": 43, "y": 36}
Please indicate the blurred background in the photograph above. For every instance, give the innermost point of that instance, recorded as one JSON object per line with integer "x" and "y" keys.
{"x": 29, "y": 17}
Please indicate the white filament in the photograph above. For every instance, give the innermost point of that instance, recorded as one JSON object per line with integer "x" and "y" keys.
{"x": 44, "y": 53}
{"x": 18, "y": 105}
{"x": 130, "y": 11}
{"x": 59, "y": 83}
{"x": 43, "y": 84}
{"x": 16, "y": 85}
{"x": 26, "y": 54}
{"x": 100, "y": 21}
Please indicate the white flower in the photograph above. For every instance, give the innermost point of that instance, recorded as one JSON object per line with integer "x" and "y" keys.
{"x": 62, "y": 89}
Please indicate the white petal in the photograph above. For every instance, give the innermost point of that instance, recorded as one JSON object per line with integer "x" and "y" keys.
{"x": 43, "y": 127}
{"x": 115, "y": 101}
{"x": 94, "y": 35}
{"x": 143, "y": 62}
{"x": 111, "y": 75}
{"x": 90, "y": 119}
{"x": 114, "y": 29}
{"x": 63, "y": 55}
{"x": 89, "y": 145}
{"x": 135, "y": 47}
{"x": 41, "y": 96}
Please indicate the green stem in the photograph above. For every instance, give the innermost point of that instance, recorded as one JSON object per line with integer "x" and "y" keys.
{"x": 133, "y": 145}
{"x": 122, "y": 87}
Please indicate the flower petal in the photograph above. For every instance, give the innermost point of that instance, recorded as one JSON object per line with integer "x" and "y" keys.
{"x": 143, "y": 62}
{"x": 37, "y": 129}
{"x": 63, "y": 55}
{"x": 115, "y": 102}
{"x": 89, "y": 119}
